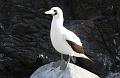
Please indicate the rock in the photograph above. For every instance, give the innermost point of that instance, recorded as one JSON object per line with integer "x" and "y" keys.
{"x": 55, "y": 70}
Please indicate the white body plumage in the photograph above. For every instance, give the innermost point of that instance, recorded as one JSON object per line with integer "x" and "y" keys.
{"x": 59, "y": 34}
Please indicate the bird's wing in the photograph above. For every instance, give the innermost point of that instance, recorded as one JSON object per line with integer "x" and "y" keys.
{"x": 74, "y": 42}
{"x": 76, "y": 45}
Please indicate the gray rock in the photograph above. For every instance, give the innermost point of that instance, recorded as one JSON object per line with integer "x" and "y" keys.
{"x": 53, "y": 70}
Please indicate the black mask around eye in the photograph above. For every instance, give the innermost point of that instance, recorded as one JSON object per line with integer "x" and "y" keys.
{"x": 55, "y": 12}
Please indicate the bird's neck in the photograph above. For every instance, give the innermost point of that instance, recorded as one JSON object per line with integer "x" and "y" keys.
{"x": 57, "y": 21}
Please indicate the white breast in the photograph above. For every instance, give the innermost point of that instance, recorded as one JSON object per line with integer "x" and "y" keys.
{"x": 58, "y": 40}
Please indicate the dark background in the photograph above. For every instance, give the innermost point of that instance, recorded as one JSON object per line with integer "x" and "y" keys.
{"x": 24, "y": 35}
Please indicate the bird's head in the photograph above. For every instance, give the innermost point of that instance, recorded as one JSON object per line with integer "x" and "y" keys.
{"x": 55, "y": 12}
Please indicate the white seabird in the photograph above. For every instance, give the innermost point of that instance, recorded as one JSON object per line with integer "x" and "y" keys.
{"x": 64, "y": 40}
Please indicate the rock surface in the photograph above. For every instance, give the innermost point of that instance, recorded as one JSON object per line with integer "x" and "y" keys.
{"x": 72, "y": 71}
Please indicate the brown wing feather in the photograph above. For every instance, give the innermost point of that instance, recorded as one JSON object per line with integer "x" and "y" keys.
{"x": 77, "y": 48}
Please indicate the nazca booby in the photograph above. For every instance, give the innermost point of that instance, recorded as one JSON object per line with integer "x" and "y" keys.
{"x": 64, "y": 40}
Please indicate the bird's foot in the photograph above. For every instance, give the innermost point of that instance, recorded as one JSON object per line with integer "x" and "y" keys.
{"x": 64, "y": 64}
{"x": 61, "y": 63}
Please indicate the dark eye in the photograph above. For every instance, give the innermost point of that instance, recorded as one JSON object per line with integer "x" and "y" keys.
{"x": 55, "y": 12}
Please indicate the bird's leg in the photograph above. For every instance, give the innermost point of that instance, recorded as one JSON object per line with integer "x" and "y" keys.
{"x": 62, "y": 57}
{"x": 73, "y": 59}
{"x": 62, "y": 60}
{"x": 69, "y": 59}
{"x": 59, "y": 63}
{"x": 64, "y": 64}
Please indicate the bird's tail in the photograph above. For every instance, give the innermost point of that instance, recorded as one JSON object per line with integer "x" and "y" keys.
{"x": 83, "y": 56}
